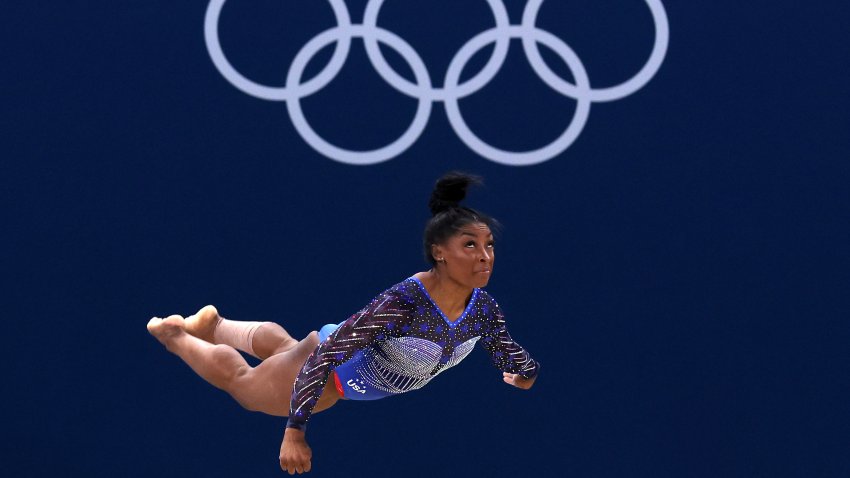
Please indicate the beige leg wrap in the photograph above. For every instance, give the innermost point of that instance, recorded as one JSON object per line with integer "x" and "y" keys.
{"x": 237, "y": 334}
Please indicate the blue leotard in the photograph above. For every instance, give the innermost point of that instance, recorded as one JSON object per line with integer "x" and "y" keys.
{"x": 398, "y": 343}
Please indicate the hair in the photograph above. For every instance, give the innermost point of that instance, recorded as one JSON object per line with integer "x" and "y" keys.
{"x": 447, "y": 215}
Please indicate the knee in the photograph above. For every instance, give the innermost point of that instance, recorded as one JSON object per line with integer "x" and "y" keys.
{"x": 305, "y": 346}
{"x": 282, "y": 342}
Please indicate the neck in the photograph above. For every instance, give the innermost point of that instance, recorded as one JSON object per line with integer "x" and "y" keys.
{"x": 447, "y": 293}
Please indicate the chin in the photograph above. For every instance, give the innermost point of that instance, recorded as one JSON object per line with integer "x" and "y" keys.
{"x": 481, "y": 281}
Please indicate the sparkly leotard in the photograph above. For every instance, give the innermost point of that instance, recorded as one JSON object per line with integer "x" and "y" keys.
{"x": 398, "y": 343}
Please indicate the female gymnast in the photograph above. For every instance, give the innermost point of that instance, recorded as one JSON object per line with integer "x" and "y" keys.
{"x": 405, "y": 337}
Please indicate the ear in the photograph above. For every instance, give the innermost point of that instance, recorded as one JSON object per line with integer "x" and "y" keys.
{"x": 437, "y": 252}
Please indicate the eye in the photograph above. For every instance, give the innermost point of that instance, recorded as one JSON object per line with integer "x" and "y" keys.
{"x": 491, "y": 244}
{"x": 469, "y": 244}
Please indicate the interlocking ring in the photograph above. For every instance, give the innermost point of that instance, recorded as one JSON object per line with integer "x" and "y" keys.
{"x": 451, "y": 91}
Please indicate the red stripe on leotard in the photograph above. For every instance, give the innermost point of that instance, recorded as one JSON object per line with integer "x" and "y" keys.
{"x": 338, "y": 385}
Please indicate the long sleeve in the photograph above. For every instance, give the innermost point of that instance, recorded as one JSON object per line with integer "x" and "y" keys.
{"x": 379, "y": 319}
{"x": 506, "y": 354}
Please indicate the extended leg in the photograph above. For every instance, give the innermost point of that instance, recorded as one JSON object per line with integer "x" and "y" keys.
{"x": 219, "y": 365}
{"x": 266, "y": 388}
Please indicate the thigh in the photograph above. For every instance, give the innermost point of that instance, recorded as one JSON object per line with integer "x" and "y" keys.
{"x": 268, "y": 386}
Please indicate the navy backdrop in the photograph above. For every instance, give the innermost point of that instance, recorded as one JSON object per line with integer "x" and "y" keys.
{"x": 681, "y": 270}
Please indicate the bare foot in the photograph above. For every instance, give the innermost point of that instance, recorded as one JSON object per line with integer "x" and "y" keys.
{"x": 167, "y": 329}
{"x": 202, "y": 325}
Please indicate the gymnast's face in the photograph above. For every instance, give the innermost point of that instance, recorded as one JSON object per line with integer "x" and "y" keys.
{"x": 468, "y": 255}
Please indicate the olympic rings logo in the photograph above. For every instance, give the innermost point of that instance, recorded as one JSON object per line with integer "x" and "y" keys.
{"x": 452, "y": 89}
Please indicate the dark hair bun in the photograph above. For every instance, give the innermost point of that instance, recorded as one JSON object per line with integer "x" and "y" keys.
{"x": 450, "y": 190}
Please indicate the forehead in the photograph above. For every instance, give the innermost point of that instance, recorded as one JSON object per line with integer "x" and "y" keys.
{"x": 476, "y": 229}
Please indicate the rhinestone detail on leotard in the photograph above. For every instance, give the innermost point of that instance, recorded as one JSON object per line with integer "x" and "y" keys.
{"x": 399, "y": 343}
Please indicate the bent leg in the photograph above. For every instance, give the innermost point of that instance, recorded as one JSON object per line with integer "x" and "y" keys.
{"x": 259, "y": 339}
{"x": 268, "y": 386}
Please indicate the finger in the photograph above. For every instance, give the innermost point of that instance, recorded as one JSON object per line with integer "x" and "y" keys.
{"x": 299, "y": 469}
{"x": 308, "y": 466}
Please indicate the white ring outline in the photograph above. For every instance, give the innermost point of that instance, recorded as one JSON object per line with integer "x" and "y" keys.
{"x": 417, "y": 126}
{"x": 274, "y": 93}
{"x": 611, "y": 93}
{"x": 527, "y": 31}
{"x": 480, "y": 80}
{"x": 525, "y": 158}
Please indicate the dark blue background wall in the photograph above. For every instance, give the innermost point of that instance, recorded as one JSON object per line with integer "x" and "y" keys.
{"x": 681, "y": 270}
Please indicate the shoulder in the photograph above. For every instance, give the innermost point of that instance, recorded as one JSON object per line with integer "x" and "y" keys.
{"x": 399, "y": 296}
{"x": 488, "y": 306}
{"x": 484, "y": 298}
{"x": 405, "y": 291}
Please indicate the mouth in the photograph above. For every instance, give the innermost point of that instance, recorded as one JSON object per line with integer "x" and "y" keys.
{"x": 485, "y": 271}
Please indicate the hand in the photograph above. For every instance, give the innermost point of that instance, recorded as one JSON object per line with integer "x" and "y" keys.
{"x": 295, "y": 454}
{"x": 518, "y": 381}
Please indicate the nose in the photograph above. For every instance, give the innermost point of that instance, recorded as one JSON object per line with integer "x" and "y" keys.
{"x": 485, "y": 257}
